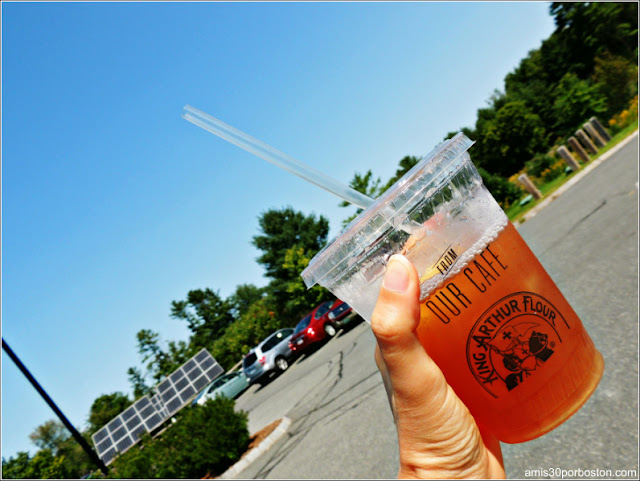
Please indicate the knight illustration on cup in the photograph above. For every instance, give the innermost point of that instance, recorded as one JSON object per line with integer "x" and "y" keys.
{"x": 523, "y": 347}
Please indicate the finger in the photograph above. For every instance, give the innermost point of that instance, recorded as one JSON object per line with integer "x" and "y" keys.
{"x": 413, "y": 374}
{"x": 437, "y": 435}
{"x": 385, "y": 380}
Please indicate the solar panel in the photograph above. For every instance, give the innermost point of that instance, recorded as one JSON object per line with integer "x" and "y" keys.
{"x": 100, "y": 435}
{"x": 128, "y": 413}
{"x": 105, "y": 445}
{"x": 125, "y": 444}
{"x": 138, "y": 432}
{"x": 207, "y": 363}
{"x": 159, "y": 406}
{"x": 187, "y": 393}
{"x": 155, "y": 421}
{"x": 189, "y": 365}
{"x": 114, "y": 424}
{"x": 164, "y": 385}
{"x": 201, "y": 356}
{"x": 200, "y": 383}
{"x": 183, "y": 383}
{"x": 148, "y": 413}
{"x": 108, "y": 456}
{"x": 133, "y": 422}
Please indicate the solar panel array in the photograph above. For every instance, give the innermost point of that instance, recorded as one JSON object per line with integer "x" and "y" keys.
{"x": 184, "y": 383}
{"x": 148, "y": 413}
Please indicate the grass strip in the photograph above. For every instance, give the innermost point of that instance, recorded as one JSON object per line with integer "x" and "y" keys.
{"x": 517, "y": 211}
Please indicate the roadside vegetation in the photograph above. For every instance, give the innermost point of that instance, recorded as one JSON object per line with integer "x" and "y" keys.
{"x": 516, "y": 211}
{"x": 587, "y": 67}
{"x": 210, "y": 438}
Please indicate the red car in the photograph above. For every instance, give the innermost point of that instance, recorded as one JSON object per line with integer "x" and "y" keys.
{"x": 321, "y": 323}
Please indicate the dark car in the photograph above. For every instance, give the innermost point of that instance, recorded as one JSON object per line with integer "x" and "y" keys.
{"x": 321, "y": 323}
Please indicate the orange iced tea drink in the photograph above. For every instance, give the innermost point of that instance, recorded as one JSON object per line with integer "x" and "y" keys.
{"x": 506, "y": 339}
{"x": 508, "y": 342}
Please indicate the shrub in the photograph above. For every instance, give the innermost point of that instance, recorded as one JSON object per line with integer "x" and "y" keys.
{"x": 43, "y": 465}
{"x": 137, "y": 463}
{"x": 617, "y": 79}
{"x": 206, "y": 439}
{"x": 553, "y": 171}
{"x": 539, "y": 164}
{"x": 624, "y": 118}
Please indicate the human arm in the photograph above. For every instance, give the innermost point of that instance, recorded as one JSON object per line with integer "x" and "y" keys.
{"x": 438, "y": 437}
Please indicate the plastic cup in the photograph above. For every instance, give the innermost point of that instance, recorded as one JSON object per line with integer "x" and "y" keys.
{"x": 503, "y": 334}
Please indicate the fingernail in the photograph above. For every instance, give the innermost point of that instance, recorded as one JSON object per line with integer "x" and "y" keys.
{"x": 396, "y": 278}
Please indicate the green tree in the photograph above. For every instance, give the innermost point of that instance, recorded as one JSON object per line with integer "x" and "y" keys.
{"x": 43, "y": 465}
{"x": 404, "y": 166}
{"x": 50, "y": 435}
{"x": 76, "y": 461}
{"x": 590, "y": 28}
{"x": 160, "y": 363}
{"x": 243, "y": 297}
{"x": 282, "y": 229}
{"x": 209, "y": 438}
{"x": 207, "y": 315}
{"x": 301, "y": 299}
{"x": 16, "y": 467}
{"x": 364, "y": 184}
{"x": 585, "y": 33}
{"x": 575, "y": 101}
{"x": 534, "y": 78}
{"x": 60, "y": 456}
{"x": 105, "y": 408}
{"x": 483, "y": 151}
{"x": 148, "y": 346}
{"x": 510, "y": 138}
{"x": 152, "y": 354}
{"x": 617, "y": 81}
{"x": 138, "y": 383}
{"x": 178, "y": 353}
{"x": 260, "y": 320}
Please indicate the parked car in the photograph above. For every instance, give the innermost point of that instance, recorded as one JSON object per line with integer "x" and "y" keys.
{"x": 321, "y": 323}
{"x": 342, "y": 315}
{"x": 270, "y": 356}
{"x": 228, "y": 385}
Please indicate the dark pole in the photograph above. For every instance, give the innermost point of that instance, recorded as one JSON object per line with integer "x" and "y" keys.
{"x": 94, "y": 457}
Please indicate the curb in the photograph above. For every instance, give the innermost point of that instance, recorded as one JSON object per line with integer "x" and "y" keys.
{"x": 567, "y": 185}
{"x": 258, "y": 450}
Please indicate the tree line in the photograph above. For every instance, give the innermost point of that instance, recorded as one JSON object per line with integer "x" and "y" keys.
{"x": 587, "y": 66}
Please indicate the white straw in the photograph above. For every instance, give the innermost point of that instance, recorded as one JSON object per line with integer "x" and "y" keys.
{"x": 268, "y": 153}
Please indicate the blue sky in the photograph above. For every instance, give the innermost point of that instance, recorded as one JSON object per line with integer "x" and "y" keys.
{"x": 113, "y": 205}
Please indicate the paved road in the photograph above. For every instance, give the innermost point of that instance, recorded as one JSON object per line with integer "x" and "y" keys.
{"x": 588, "y": 241}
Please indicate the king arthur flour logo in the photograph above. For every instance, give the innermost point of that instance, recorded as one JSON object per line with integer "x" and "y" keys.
{"x": 513, "y": 340}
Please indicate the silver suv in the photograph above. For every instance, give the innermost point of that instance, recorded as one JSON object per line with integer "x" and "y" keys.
{"x": 271, "y": 355}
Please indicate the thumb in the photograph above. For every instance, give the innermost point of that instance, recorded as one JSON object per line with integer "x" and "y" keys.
{"x": 415, "y": 378}
{"x": 437, "y": 435}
